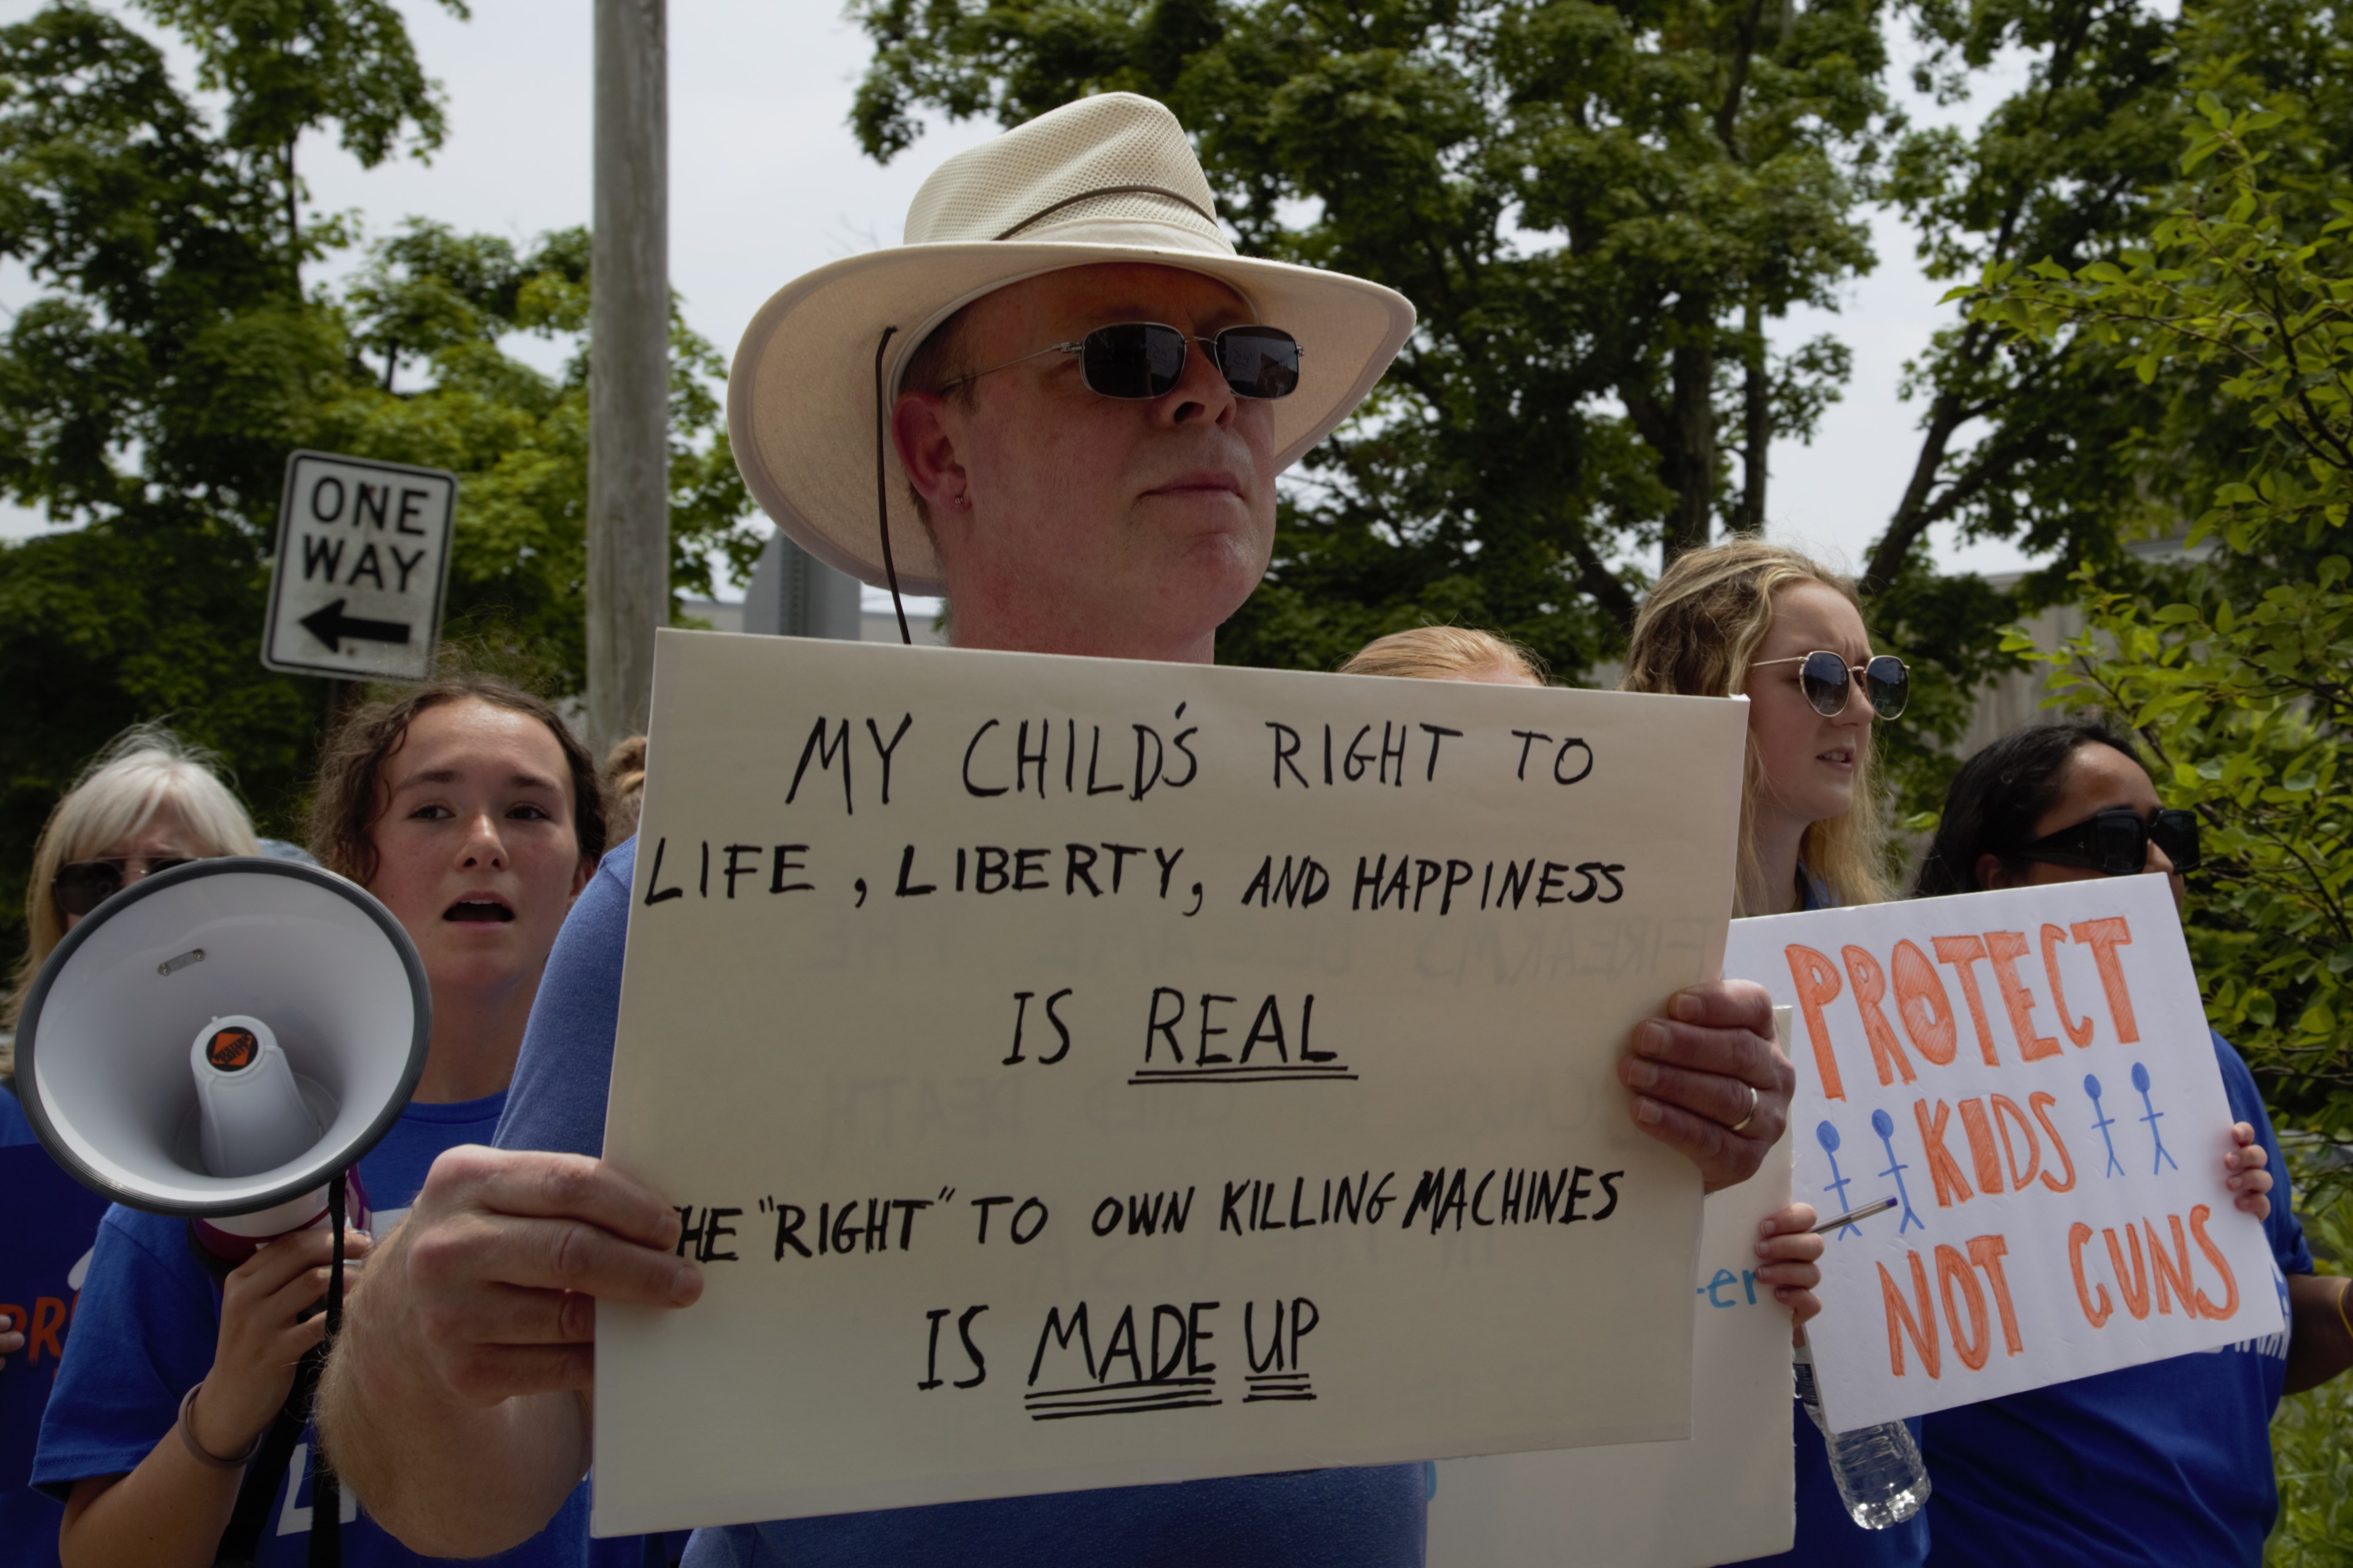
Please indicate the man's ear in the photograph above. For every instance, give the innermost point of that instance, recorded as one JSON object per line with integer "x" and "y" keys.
{"x": 927, "y": 451}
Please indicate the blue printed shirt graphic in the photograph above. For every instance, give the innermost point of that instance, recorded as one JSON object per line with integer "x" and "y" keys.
{"x": 1310, "y": 1519}
{"x": 2167, "y": 1462}
{"x": 145, "y": 1333}
{"x": 29, "y": 1518}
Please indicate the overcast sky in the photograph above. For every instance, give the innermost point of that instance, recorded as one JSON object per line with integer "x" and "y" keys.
{"x": 767, "y": 182}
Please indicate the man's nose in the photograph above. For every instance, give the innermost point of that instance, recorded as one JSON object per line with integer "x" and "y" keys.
{"x": 1201, "y": 394}
{"x": 2158, "y": 860}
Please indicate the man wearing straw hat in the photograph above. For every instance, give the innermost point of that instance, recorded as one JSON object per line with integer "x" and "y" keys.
{"x": 1063, "y": 403}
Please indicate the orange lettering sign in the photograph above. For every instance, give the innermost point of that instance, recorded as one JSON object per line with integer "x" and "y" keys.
{"x": 1981, "y": 1150}
{"x": 2079, "y": 1033}
{"x": 1952, "y": 1267}
{"x": 2199, "y": 1215}
{"x": 1951, "y": 1185}
{"x": 2004, "y": 949}
{"x": 2135, "y": 1284}
{"x": 1961, "y": 952}
{"x": 1921, "y": 1003}
{"x": 2042, "y": 1103}
{"x": 1901, "y": 1322}
{"x": 2104, "y": 937}
{"x": 1818, "y": 983}
{"x": 2171, "y": 1268}
{"x": 1870, "y": 991}
{"x": 2078, "y": 1234}
{"x": 1987, "y": 1252}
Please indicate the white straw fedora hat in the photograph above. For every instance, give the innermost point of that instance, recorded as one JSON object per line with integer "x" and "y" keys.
{"x": 1110, "y": 178}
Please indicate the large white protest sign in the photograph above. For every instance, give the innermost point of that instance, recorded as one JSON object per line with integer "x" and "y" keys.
{"x": 1723, "y": 1496}
{"x": 2029, "y": 1074}
{"x": 1078, "y": 1073}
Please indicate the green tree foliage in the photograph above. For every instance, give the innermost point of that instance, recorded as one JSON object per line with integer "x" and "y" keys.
{"x": 2312, "y": 1451}
{"x": 1596, "y": 207}
{"x": 2238, "y": 674}
{"x": 2047, "y": 444}
{"x": 149, "y": 397}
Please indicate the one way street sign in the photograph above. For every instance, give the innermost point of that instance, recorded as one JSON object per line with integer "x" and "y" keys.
{"x": 362, "y": 562}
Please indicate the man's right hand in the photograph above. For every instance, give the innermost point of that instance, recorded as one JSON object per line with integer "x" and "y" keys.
{"x": 488, "y": 1285}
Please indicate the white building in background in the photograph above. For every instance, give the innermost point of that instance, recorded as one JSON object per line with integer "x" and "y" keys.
{"x": 793, "y": 594}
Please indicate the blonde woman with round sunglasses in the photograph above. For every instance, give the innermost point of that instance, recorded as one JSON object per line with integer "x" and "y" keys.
{"x": 1764, "y": 621}
{"x": 1747, "y": 618}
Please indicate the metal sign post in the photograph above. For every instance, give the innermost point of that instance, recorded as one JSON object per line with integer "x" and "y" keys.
{"x": 363, "y": 567}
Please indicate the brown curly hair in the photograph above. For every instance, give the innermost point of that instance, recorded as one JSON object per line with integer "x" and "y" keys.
{"x": 349, "y": 795}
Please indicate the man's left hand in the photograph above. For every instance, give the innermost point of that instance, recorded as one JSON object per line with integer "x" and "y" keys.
{"x": 1709, "y": 1080}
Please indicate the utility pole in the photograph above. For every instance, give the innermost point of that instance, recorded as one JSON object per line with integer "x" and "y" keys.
{"x": 629, "y": 368}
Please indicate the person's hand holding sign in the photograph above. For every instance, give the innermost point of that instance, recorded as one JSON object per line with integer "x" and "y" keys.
{"x": 2248, "y": 1182}
{"x": 11, "y": 1342}
{"x": 1709, "y": 1082}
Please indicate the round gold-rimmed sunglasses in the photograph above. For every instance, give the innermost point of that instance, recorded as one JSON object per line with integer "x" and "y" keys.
{"x": 1829, "y": 681}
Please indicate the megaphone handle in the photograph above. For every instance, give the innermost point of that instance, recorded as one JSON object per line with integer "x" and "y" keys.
{"x": 241, "y": 1541}
{"x": 326, "y": 1491}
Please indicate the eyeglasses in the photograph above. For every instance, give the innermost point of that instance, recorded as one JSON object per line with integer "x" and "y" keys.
{"x": 2115, "y": 842}
{"x": 83, "y": 885}
{"x": 1828, "y": 680}
{"x": 1143, "y": 360}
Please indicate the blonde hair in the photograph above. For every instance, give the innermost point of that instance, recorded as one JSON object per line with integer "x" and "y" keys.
{"x": 139, "y": 772}
{"x": 624, "y": 787}
{"x": 1695, "y": 636}
{"x": 1443, "y": 653}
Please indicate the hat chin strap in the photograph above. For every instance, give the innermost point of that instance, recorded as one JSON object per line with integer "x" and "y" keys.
{"x": 881, "y": 489}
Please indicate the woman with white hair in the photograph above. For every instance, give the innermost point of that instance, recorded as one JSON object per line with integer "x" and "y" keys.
{"x": 147, "y": 802}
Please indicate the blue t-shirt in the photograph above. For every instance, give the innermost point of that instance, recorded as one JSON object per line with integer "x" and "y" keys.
{"x": 1358, "y": 1518}
{"x": 1827, "y": 1535}
{"x": 28, "y": 1518}
{"x": 2166, "y": 1462}
{"x": 14, "y": 1129}
{"x": 146, "y": 1329}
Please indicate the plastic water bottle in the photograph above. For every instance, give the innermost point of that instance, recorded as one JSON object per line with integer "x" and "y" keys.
{"x": 1881, "y": 1476}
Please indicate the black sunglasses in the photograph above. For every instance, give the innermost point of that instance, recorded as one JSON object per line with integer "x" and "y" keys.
{"x": 83, "y": 885}
{"x": 1829, "y": 682}
{"x": 1143, "y": 360}
{"x": 2115, "y": 842}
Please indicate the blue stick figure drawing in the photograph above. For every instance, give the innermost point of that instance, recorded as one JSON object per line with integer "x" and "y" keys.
{"x": 2092, "y": 1088}
{"x": 1884, "y": 1125}
{"x": 1828, "y": 1136}
{"x": 2140, "y": 1082}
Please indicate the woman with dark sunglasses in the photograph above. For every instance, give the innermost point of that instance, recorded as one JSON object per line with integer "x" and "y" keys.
{"x": 1764, "y": 621}
{"x": 2169, "y": 1460}
{"x": 146, "y": 803}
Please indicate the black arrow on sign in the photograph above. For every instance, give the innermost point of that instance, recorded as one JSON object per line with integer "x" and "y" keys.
{"x": 331, "y": 625}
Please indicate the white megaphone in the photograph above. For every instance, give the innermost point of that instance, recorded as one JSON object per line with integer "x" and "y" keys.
{"x": 222, "y": 1040}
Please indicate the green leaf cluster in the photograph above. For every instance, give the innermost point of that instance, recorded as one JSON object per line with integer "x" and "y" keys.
{"x": 2311, "y": 1456}
{"x": 172, "y": 358}
{"x": 1596, "y": 207}
{"x": 2235, "y": 667}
